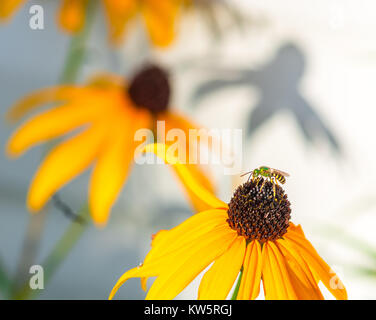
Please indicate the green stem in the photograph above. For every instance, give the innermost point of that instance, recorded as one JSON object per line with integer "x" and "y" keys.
{"x": 77, "y": 48}
{"x": 58, "y": 254}
{"x": 29, "y": 249}
{"x": 236, "y": 291}
{"x": 5, "y": 282}
{"x": 74, "y": 59}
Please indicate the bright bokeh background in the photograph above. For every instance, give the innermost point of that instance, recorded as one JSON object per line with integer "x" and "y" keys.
{"x": 333, "y": 194}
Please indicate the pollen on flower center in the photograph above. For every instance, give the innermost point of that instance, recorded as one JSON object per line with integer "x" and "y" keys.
{"x": 256, "y": 214}
{"x": 150, "y": 89}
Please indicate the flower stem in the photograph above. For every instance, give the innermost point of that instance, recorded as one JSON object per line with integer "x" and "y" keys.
{"x": 5, "y": 282}
{"x": 73, "y": 62}
{"x": 77, "y": 48}
{"x": 236, "y": 291}
{"x": 58, "y": 254}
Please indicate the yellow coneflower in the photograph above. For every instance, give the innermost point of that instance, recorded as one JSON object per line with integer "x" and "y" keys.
{"x": 252, "y": 234}
{"x": 159, "y": 16}
{"x": 110, "y": 112}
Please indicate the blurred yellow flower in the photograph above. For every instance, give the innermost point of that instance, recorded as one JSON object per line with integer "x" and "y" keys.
{"x": 252, "y": 234}
{"x": 159, "y": 16}
{"x": 110, "y": 113}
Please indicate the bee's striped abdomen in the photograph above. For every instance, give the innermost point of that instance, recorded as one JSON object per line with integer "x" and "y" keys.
{"x": 279, "y": 177}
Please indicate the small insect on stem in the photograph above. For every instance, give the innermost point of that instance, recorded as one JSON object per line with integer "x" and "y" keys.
{"x": 67, "y": 211}
{"x": 273, "y": 175}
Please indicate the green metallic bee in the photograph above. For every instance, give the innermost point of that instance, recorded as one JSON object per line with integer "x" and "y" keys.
{"x": 273, "y": 175}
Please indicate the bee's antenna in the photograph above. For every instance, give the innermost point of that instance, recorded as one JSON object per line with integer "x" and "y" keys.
{"x": 244, "y": 174}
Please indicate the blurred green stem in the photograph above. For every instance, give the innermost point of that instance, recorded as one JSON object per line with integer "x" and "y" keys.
{"x": 5, "y": 282}
{"x": 58, "y": 254}
{"x": 76, "y": 55}
{"x": 236, "y": 291}
{"x": 29, "y": 249}
{"x": 77, "y": 47}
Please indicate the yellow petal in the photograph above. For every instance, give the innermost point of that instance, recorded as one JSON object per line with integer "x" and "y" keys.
{"x": 106, "y": 80}
{"x": 186, "y": 232}
{"x": 218, "y": 281}
{"x": 181, "y": 270}
{"x": 113, "y": 165}
{"x": 110, "y": 172}
{"x": 40, "y": 97}
{"x": 118, "y": 15}
{"x": 50, "y": 124}
{"x": 301, "y": 277}
{"x": 268, "y": 280}
{"x": 72, "y": 15}
{"x": 185, "y": 176}
{"x": 144, "y": 283}
{"x": 317, "y": 264}
{"x": 62, "y": 164}
{"x": 252, "y": 267}
{"x": 297, "y": 229}
{"x": 8, "y": 7}
{"x": 165, "y": 241}
{"x": 175, "y": 121}
{"x": 160, "y": 18}
{"x": 159, "y": 265}
{"x": 276, "y": 280}
{"x": 140, "y": 271}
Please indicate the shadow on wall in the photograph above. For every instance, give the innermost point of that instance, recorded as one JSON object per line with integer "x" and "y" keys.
{"x": 278, "y": 83}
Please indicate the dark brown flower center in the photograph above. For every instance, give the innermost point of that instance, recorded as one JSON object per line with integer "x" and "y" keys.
{"x": 150, "y": 89}
{"x": 256, "y": 214}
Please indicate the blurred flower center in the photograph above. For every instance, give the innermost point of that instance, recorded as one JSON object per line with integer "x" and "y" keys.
{"x": 150, "y": 89}
{"x": 255, "y": 213}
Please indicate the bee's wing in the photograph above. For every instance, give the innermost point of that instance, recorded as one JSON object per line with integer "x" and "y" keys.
{"x": 282, "y": 173}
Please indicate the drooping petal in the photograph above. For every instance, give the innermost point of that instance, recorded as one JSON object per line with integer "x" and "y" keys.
{"x": 276, "y": 280}
{"x": 167, "y": 241}
{"x": 195, "y": 226}
{"x": 198, "y": 174}
{"x": 185, "y": 176}
{"x": 160, "y": 18}
{"x": 216, "y": 241}
{"x": 110, "y": 172}
{"x": 62, "y": 164}
{"x": 118, "y": 15}
{"x": 318, "y": 266}
{"x": 174, "y": 121}
{"x": 218, "y": 281}
{"x": 72, "y": 15}
{"x": 301, "y": 277}
{"x": 8, "y": 7}
{"x": 140, "y": 271}
{"x": 41, "y": 97}
{"x": 180, "y": 271}
{"x": 50, "y": 124}
{"x": 252, "y": 268}
{"x": 112, "y": 167}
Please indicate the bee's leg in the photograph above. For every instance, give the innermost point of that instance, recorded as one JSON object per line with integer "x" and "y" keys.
{"x": 262, "y": 186}
{"x": 274, "y": 183}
